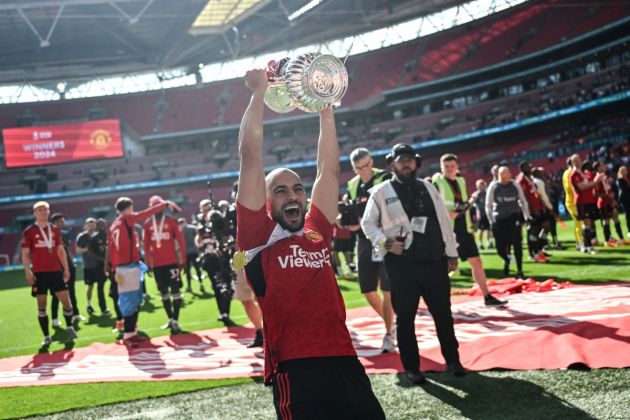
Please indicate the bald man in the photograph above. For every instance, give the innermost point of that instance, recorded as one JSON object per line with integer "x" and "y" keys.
{"x": 309, "y": 356}
{"x": 506, "y": 207}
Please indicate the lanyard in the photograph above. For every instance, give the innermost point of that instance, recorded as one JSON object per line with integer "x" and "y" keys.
{"x": 241, "y": 258}
{"x": 158, "y": 232}
{"x": 48, "y": 240}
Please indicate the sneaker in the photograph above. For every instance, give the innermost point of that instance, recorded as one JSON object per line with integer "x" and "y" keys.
{"x": 456, "y": 368}
{"x": 167, "y": 325}
{"x": 133, "y": 341}
{"x": 120, "y": 325}
{"x": 592, "y": 251}
{"x": 77, "y": 318}
{"x": 258, "y": 340}
{"x": 492, "y": 301}
{"x": 175, "y": 327}
{"x": 540, "y": 258}
{"x": 188, "y": 290}
{"x": 388, "y": 345}
{"x": 47, "y": 341}
{"x": 416, "y": 378}
{"x": 90, "y": 310}
{"x": 71, "y": 333}
{"x": 56, "y": 322}
{"x": 107, "y": 312}
{"x": 520, "y": 276}
{"x": 506, "y": 270}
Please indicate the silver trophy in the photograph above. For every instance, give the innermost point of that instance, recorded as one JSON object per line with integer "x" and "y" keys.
{"x": 308, "y": 82}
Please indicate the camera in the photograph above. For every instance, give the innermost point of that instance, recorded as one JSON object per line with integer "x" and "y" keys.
{"x": 349, "y": 213}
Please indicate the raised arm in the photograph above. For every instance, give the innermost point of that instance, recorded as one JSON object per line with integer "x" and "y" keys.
{"x": 251, "y": 181}
{"x": 326, "y": 187}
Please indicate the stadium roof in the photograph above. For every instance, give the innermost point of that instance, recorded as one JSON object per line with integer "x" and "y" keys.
{"x": 60, "y": 39}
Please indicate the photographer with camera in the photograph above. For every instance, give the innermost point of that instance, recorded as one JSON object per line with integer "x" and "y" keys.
{"x": 371, "y": 270}
{"x": 216, "y": 244}
{"x": 452, "y": 188}
{"x": 242, "y": 291}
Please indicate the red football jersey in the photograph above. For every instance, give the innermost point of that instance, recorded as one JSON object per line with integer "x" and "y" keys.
{"x": 302, "y": 305}
{"x": 531, "y": 194}
{"x": 161, "y": 251}
{"x": 42, "y": 259}
{"x": 585, "y": 196}
{"x": 605, "y": 194}
{"x": 123, "y": 248}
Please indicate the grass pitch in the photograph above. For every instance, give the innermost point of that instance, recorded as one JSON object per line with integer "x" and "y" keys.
{"x": 536, "y": 394}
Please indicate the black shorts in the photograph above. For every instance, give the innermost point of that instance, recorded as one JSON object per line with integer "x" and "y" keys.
{"x": 483, "y": 223}
{"x": 467, "y": 248}
{"x": 587, "y": 211}
{"x": 607, "y": 211}
{"x": 90, "y": 275}
{"x": 369, "y": 271}
{"x": 48, "y": 281}
{"x": 344, "y": 245}
{"x": 324, "y": 388}
{"x": 167, "y": 276}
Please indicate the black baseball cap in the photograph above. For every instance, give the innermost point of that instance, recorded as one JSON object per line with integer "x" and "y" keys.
{"x": 402, "y": 149}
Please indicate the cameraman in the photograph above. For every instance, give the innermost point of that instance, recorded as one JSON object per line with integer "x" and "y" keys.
{"x": 370, "y": 270}
{"x": 242, "y": 291}
{"x": 452, "y": 187}
{"x": 216, "y": 246}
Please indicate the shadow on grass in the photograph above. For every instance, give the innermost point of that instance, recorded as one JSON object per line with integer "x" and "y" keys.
{"x": 486, "y": 397}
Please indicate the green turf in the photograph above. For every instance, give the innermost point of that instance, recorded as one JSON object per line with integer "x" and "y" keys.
{"x": 568, "y": 394}
{"x": 51, "y": 399}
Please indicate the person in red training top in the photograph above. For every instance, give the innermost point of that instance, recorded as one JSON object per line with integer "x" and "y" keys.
{"x": 585, "y": 200}
{"x": 536, "y": 228}
{"x": 46, "y": 268}
{"x": 309, "y": 357}
{"x": 607, "y": 206}
{"x": 124, "y": 259}
{"x": 160, "y": 235}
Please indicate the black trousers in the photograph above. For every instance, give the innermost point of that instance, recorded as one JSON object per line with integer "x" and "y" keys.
{"x": 327, "y": 388}
{"x": 409, "y": 282}
{"x": 191, "y": 259}
{"x": 507, "y": 234}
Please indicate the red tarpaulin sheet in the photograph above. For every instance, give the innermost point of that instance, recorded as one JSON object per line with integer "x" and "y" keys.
{"x": 589, "y": 325}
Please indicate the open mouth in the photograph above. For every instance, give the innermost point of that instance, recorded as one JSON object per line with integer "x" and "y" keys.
{"x": 292, "y": 212}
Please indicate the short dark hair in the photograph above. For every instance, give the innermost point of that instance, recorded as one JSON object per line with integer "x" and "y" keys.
{"x": 56, "y": 217}
{"x": 523, "y": 164}
{"x": 448, "y": 157}
{"x": 569, "y": 163}
{"x": 123, "y": 203}
{"x": 358, "y": 154}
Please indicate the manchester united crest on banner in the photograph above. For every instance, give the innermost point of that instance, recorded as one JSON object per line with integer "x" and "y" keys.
{"x": 100, "y": 139}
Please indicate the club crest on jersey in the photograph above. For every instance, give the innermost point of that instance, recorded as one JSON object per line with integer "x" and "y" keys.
{"x": 311, "y": 235}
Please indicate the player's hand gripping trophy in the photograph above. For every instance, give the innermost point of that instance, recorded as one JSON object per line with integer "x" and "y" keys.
{"x": 308, "y": 82}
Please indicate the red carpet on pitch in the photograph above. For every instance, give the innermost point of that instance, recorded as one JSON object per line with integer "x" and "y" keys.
{"x": 587, "y": 325}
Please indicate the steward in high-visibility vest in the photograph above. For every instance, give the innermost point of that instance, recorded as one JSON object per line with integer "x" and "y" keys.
{"x": 378, "y": 175}
{"x": 448, "y": 195}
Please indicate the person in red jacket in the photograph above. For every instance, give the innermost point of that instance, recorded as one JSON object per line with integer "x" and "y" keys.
{"x": 309, "y": 356}
{"x": 124, "y": 254}
{"x": 162, "y": 241}
{"x": 585, "y": 200}
{"x": 46, "y": 268}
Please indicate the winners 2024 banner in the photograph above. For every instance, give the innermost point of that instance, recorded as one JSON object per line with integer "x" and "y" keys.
{"x": 44, "y": 145}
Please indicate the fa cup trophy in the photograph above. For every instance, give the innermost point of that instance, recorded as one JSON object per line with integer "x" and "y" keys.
{"x": 308, "y": 82}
